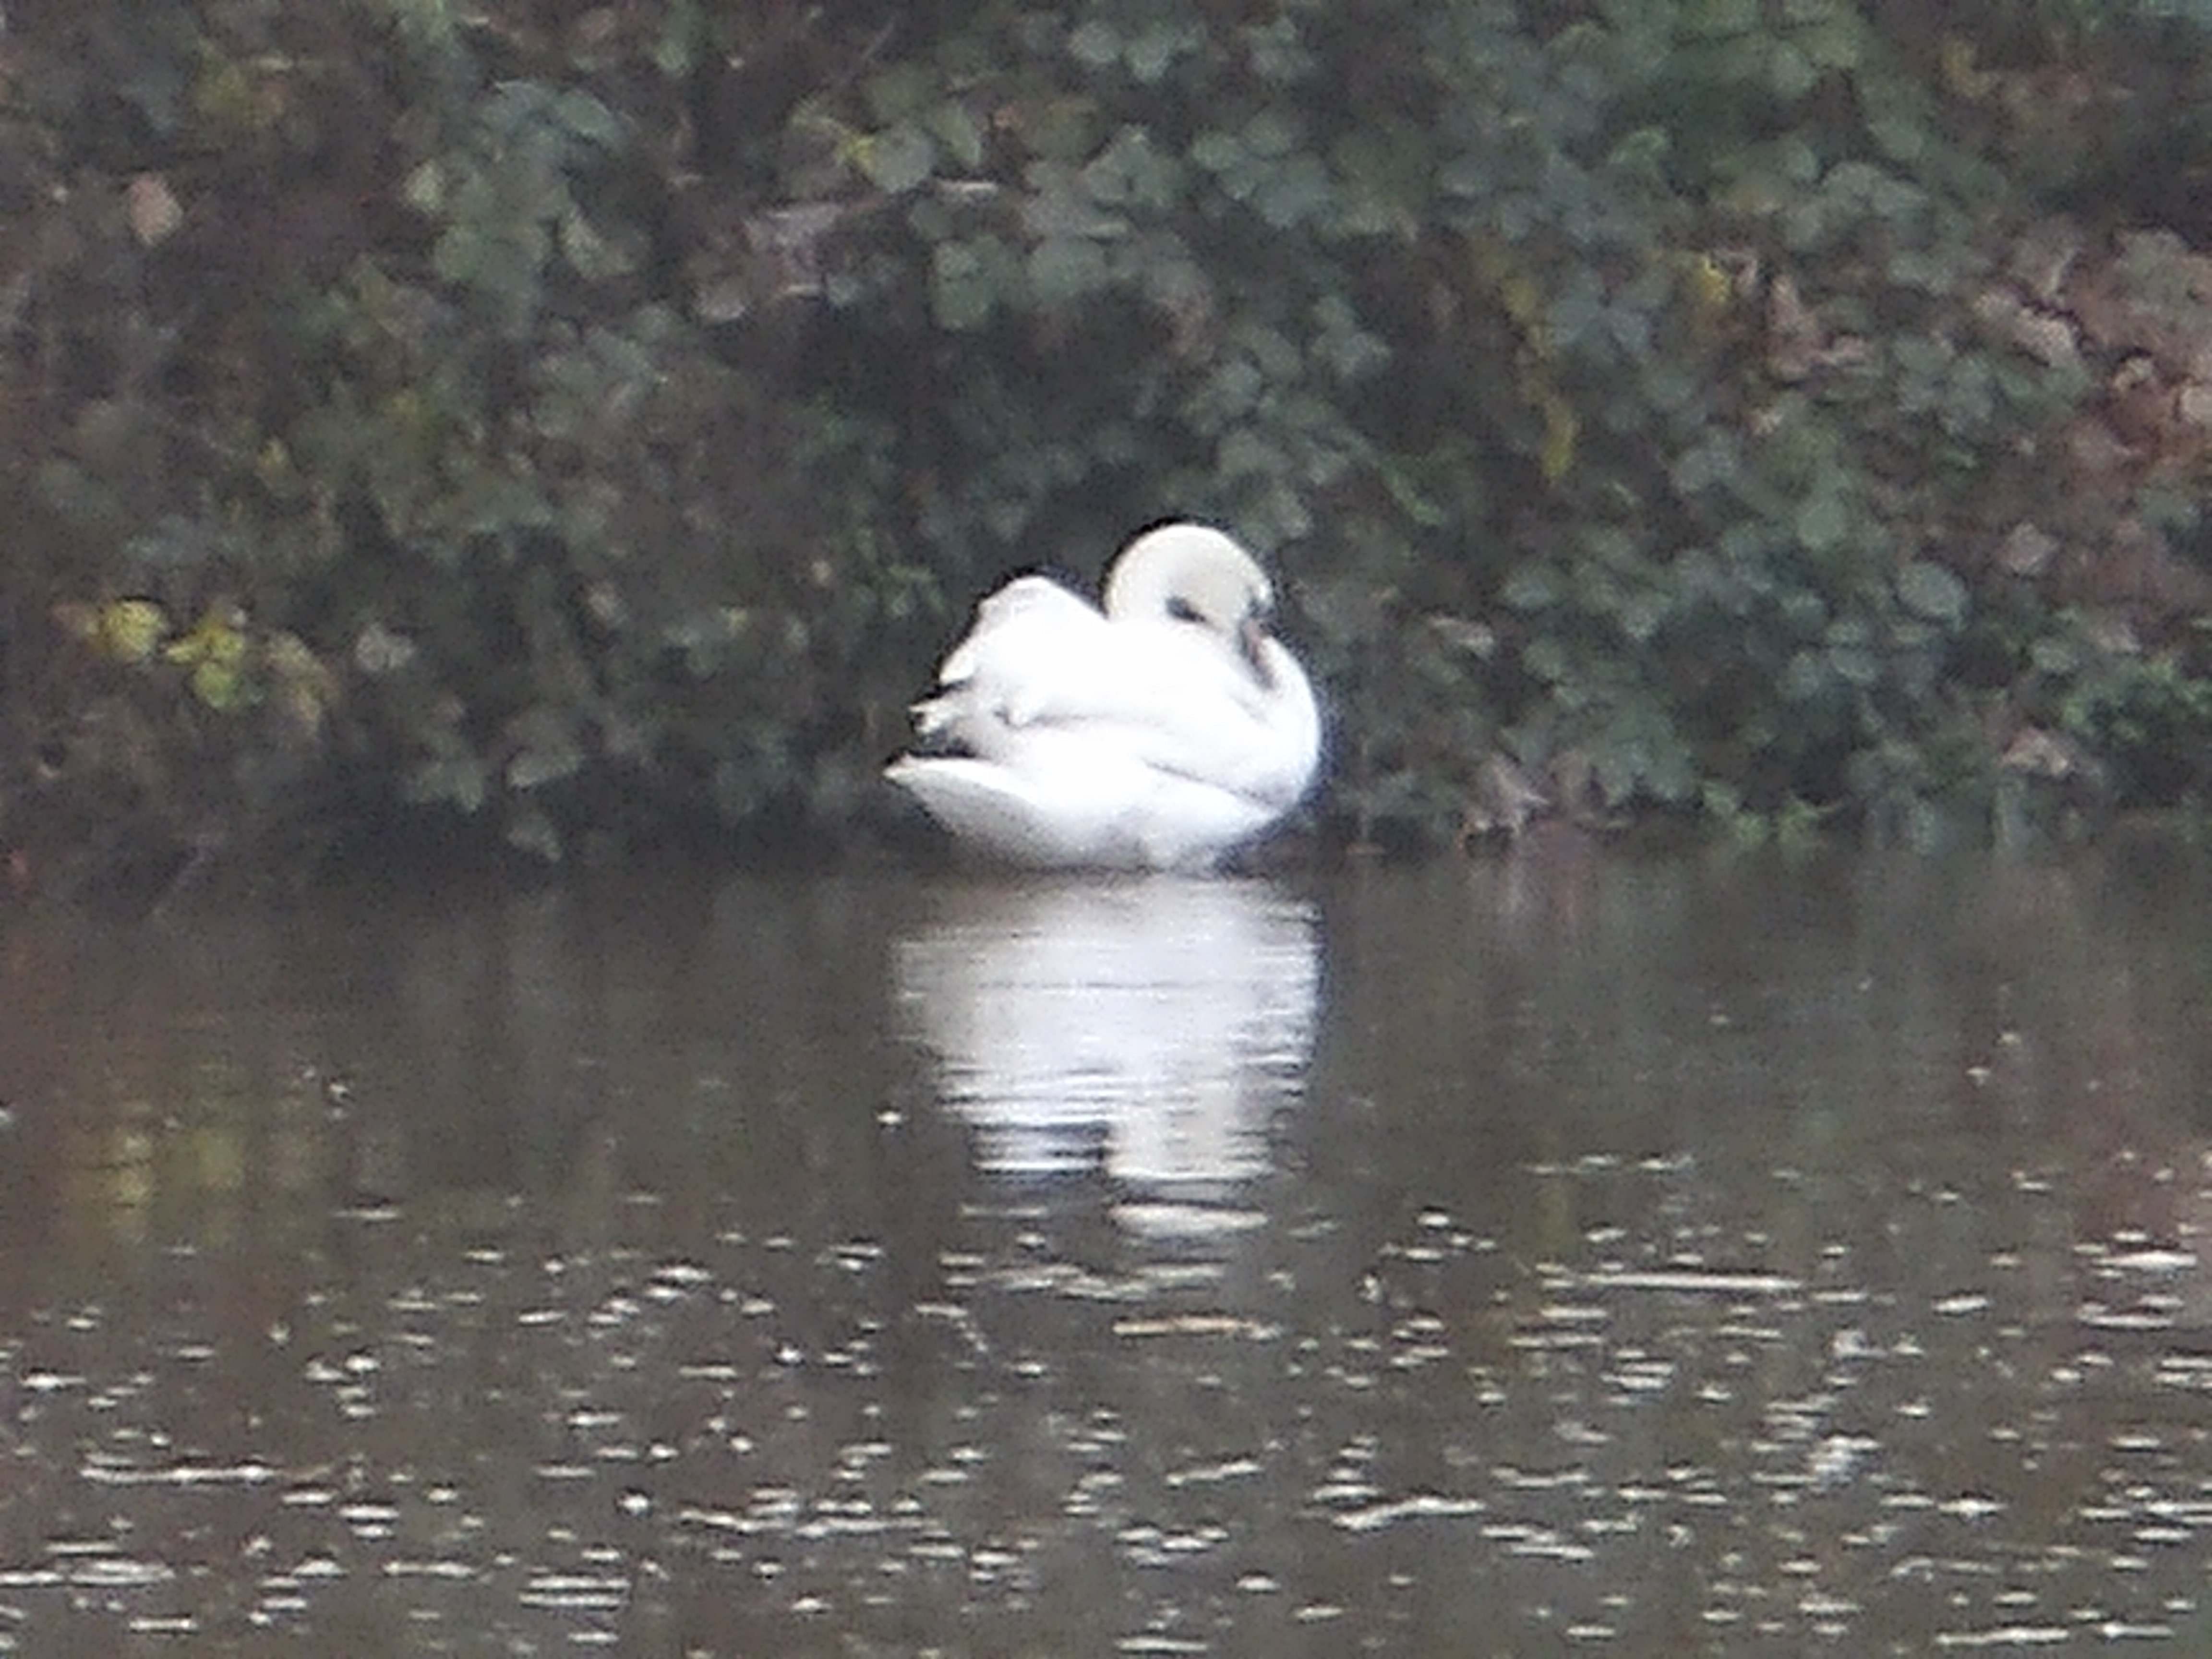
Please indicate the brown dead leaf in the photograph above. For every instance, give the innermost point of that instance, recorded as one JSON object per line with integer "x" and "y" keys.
{"x": 152, "y": 208}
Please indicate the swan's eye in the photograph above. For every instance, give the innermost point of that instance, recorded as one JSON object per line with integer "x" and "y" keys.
{"x": 1183, "y": 610}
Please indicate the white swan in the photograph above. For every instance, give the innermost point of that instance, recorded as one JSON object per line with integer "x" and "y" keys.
{"x": 1161, "y": 734}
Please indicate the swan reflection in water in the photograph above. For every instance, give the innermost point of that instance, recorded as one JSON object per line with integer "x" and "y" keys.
{"x": 1150, "y": 1025}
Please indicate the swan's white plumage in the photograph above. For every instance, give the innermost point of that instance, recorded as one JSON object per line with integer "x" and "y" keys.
{"x": 1160, "y": 732}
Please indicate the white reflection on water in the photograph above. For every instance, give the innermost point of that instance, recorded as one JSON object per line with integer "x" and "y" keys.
{"x": 1159, "y": 1022}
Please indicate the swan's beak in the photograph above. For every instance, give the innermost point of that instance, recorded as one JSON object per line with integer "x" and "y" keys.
{"x": 1251, "y": 643}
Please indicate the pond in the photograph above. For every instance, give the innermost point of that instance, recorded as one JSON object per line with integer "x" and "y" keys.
{"x": 1557, "y": 1252}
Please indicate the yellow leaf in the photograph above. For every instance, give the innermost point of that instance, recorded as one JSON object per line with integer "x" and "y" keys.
{"x": 129, "y": 629}
{"x": 217, "y": 639}
{"x": 219, "y": 685}
{"x": 1561, "y": 428}
{"x": 273, "y": 466}
{"x": 1518, "y": 293}
{"x": 1710, "y": 291}
{"x": 305, "y": 684}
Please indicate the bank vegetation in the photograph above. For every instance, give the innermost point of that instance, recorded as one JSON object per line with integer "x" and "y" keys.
{"x": 572, "y": 426}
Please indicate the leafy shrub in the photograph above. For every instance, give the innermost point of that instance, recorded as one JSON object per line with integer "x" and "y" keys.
{"x": 589, "y": 421}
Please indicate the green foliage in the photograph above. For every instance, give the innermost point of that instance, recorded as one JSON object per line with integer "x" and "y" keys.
{"x": 2147, "y": 718}
{"x": 615, "y": 407}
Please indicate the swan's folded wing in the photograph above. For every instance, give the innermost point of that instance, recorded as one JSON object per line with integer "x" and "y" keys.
{"x": 1028, "y": 639}
{"x": 1188, "y": 707}
{"x": 1175, "y": 700}
{"x": 1014, "y": 625}
{"x": 1042, "y": 664}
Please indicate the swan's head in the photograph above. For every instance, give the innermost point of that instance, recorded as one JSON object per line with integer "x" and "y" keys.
{"x": 1192, "y": 573}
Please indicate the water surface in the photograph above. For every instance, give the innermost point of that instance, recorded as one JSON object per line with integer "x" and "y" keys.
{"x": 1564, "y": 1253}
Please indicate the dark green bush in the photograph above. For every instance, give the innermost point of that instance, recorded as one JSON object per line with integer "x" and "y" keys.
{"x": 589, "y": 421}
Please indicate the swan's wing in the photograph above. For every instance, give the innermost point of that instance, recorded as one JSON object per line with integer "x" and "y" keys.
{"x": 1188, "y": 704}
{"x": 1028, "y": 638}
{"x": 1178, "y": 701}
{"x": 1015, "y": 626}
{"x": 1043, "y": 672}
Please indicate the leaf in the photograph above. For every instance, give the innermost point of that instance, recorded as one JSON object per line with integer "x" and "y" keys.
{"x": 486, "y": 503}
{"x": 1790, "y": 73}
{"x": 1386, "y": 170}
{"x": 1245, "y": 453}
{"x": 152, "y": 208}
{"x": 305, "y": 685}
{"x": 590, "y": 255}
{"x": 1807, "y": 678}
{"x": 1172, "y": 281}
{"x": 1412, "y": 500}
{"x": 1532, "y": 587}
{"x": 1546, "y": 660}
{"x": 1281, "y": 514}
{"x": 587, "y": 118}
{"x": 221, "y": 685}
{"x": 896, "y": 160}
{"x": 1837, "y": 41}
{"x": 1150, "y": 54}
{"x": 1295, "y": 191}
{"x": 1857, "y": 664}
{"x": 458, "y": 778}
{"x": 1060, "y": 202}
{"x": 1711, "y": 460}
{"x": 528, "y": 830}
{"x": 1823, "y": 520}
{"x": 1065, "y": 268}
{"x": 1270, "y": 134}
{"x": 127, "y": 630}
{"x": 1219, "y": 152}
{"x": 1933, "y": 592}
{"x": 1060, "y": 128}
{"x": 900, "y": 94}
{"x": 1641, "y": 612}
{"x": 963, "y": 289}
{"x": 1643, "y": 153}
{"x": 2057, "y": 655}
{"x": 1350, "y": 352}
{"x": 1229, "y": 394}
{"x": 678, "y": 49}
{"x": 1131, "y": 171}
{"x": 1094, "y": 43}
{"x": 954, "y": 126}
{"x": 532, "y": 768}
{"x": 1898, "y": 124}
{"x": 1279, "y": 57}
{"x": 1562, "y": 426}
{"x": 217, "y": 639}
{"x": 1714, "y": 19}
{"x": 496, "y": 247}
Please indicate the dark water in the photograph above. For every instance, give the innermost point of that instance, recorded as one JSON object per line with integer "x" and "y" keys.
{"x": 1560, "y": 1254}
